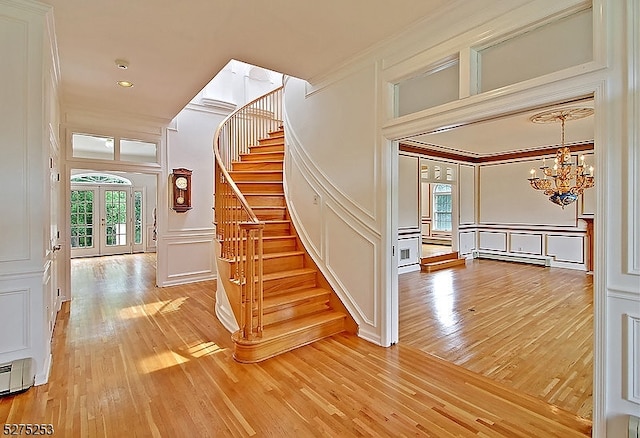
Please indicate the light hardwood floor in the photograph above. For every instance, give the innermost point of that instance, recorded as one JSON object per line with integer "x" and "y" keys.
{"x": 525, "y": 326}
{"x": 130, "y": 359}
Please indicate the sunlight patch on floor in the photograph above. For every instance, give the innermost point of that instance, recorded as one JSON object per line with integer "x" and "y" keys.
{"x": 162, "y": 360}
{"x": 204, "y": 349}
{"x": 150, "y": 309}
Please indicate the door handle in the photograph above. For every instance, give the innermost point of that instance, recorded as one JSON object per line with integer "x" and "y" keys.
{"x": 56, "y": 248}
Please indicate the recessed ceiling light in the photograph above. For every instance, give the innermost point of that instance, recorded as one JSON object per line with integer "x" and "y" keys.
{"x": 122, "y": 64}
{"x": 125, "y": 84}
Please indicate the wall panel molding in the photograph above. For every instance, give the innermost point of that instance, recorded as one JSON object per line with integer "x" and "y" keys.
{"x": 307, "y": 166}
{"x": 186, "y": 259}
{"x": 293, "y": 168}
{"x": 14, "y": 320}
{"x": 339, "y": 271}
{"x": 493, "y": 240}
{"x": 623, "y": 293}
{"x": 340, "y": 216}
{"x": 633, "y": 142}
{"x": 632, "y": 353}
{"x": 570, "y": 249}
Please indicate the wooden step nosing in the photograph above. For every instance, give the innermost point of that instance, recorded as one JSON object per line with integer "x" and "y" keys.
{"x": 301, "y": 324}
{"x": 288, "y": 274}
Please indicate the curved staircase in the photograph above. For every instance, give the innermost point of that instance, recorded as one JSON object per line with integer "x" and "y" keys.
{"x": 288, "y": 304}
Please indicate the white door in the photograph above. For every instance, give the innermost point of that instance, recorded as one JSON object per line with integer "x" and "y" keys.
{"x": 106, "y": 220}
{"x": 51, "y": 287}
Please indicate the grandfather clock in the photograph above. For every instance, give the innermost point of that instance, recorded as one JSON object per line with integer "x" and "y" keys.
{"x": 181, "y": 190}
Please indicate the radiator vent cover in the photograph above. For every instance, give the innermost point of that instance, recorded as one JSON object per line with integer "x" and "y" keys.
{"x": 405, "y": 254}
{"x": 16, "y": 377}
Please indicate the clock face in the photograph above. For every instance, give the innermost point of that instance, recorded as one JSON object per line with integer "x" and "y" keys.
{"x": 181, "y": 182}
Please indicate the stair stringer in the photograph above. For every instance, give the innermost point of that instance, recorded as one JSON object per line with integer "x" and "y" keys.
{"x": 227, "y": 292}
{"x": 368, "y": 325}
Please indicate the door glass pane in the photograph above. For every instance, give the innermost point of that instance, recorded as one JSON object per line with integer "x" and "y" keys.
{"x": 137, "y": 207}
{"x": 81, "y": 218}
{"x": 115, "y": 217}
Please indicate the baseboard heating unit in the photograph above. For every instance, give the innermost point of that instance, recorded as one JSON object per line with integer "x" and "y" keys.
{"x": 511, "y": 257}
{"x": 16, "y": 377}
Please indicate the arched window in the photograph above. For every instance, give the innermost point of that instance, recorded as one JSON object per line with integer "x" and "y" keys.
{"x": 442, "y": 207}
{"x": 99, "y": 178}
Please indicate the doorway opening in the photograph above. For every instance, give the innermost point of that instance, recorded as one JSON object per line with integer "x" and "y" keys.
{"x": 496, "y": 318}
{"x": 106, "y": 215}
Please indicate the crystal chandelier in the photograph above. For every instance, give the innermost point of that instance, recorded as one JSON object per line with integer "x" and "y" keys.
{"x": 556, "y": 181}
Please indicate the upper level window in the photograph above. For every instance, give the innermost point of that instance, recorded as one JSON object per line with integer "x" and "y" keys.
{"x": 434, "y": 87}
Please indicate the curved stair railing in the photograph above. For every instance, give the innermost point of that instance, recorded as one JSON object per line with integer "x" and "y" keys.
{"x": 238, "y": 229}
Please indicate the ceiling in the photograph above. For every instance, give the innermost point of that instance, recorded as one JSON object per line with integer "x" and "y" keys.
{"x": 508, "y": 133}
{"x": 174, "y": 48}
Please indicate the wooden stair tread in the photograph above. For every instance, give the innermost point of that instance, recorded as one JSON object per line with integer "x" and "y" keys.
{"x": 259, "y": 172}
{"x": 288, "y": 273}
{"x": 264, "y": 193}
{"x": 296, "y": 311}
{"x": 292, "y": 297}
{"x": 292, "y": 236}
{"x": 262, "y": 154}
{"x": 442, "y": 264}
{"x": 275, "y": 255}
{"x": 276, "y": 133}
{"x": 439, "y": 257}
{"x": 276, "y": 221}
{"x": 297, "y": 325}
{"x": 269, "y": 141}
{"x": 282, "y": 337}
{"x": 259, "y": 207}
{"x": 258, "y": 182}
{"x": 258, "y": 161}
{"x": 288, "y": 237}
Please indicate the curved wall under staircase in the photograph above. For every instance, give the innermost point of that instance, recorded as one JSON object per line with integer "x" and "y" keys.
{"x": 334, "y": 187}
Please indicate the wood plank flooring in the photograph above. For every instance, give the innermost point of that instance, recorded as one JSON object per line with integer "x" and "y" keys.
{"x": 130, "y": 359}
{"x": 528, "y": 327}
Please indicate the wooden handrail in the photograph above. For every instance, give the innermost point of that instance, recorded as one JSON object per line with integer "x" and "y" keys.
{"x": 238, "y": 229}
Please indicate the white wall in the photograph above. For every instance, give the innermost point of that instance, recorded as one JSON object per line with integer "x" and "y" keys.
{"x": 339, "y": 132}
{"x": 29, "y": 117}
{"x": 520, "y": 222}
{"x": 185, "y": 240}
{"x": 331, "y": 155}
{"x": 409, "y": 194}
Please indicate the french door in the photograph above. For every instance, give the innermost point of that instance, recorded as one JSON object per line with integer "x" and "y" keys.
{"x": 106, "y": 220}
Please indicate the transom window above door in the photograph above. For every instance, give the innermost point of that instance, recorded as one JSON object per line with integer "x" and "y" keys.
{"x": 113, "y": 148}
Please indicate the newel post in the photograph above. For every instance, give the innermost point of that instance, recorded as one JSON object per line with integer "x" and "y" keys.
{"x": 251, "y": 279}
